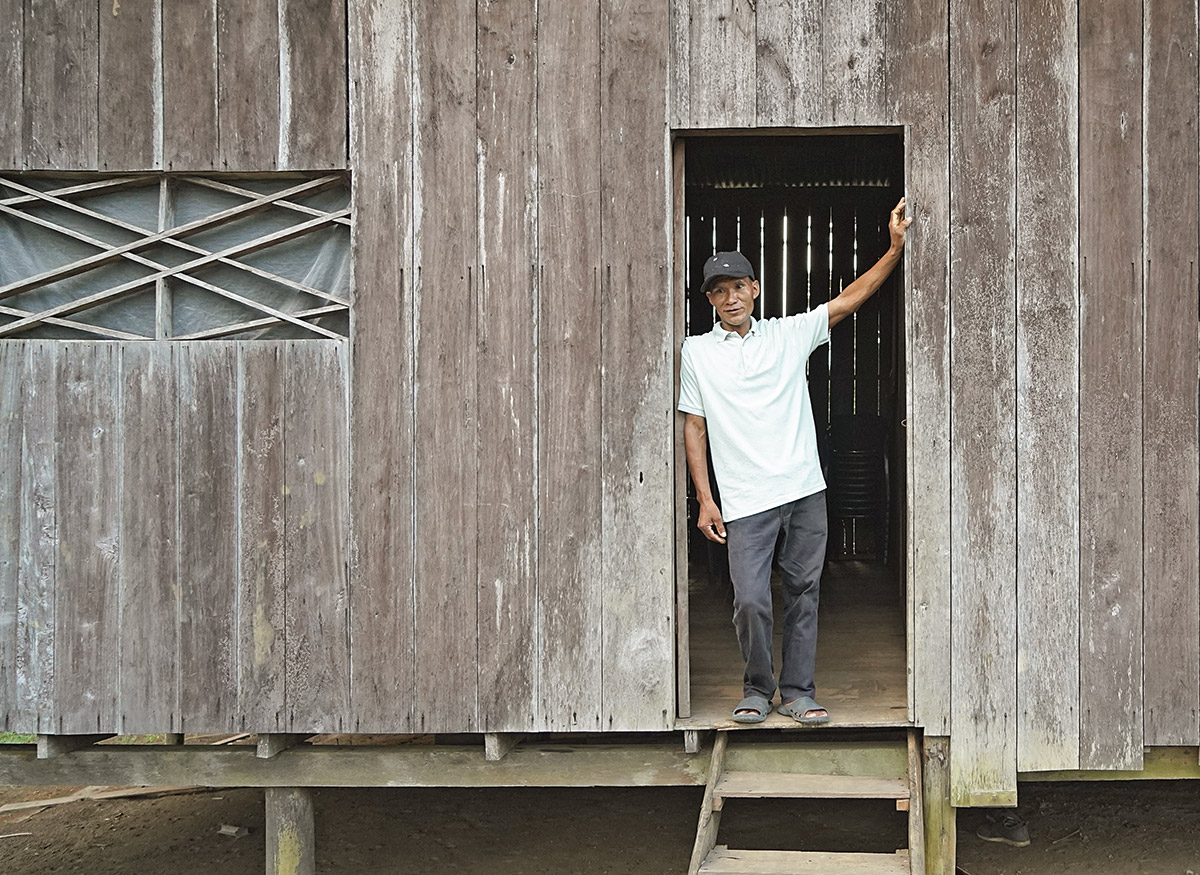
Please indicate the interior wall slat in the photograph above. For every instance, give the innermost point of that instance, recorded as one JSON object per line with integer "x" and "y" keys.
{"x": 12, "y": 369}
{"x": 316, "y": 492}
{"x": 1110, "y": 386}
{"x": 381, "y": 387}
{"x": 190, "y": 138}
{"x": 130, "y": 86}
{"x": 149, "y": 584}
{"x": 870, "y": 238}
{"x": 637, "y": 356}
{"x": 841, "y": 337}
{"x": 261, "y": 577}
{"x": 570, "y": 544}
{"x": 1171, "y": 611}
{"x": 789, "y": 73}
{"x": 722, "y": 65}
{"x": 87, "y": 518}
{"x": 12, "y": 72}
{"x": 507, "y": 419}
{"x": 312, "y": 57}
{"x": 60, "y": 85}
{"x": 982, "y": 382}
{"x": 821, "y": 286}
{"x": 1047, "y": 524}
{"x": 207, "y": 404}
{"x": 446, "y": 453}
{"x": 39, "y": 534}
{"x": 248, "y": 83}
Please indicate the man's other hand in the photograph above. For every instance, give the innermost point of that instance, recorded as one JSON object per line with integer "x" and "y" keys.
{"x": 710, "y": 522}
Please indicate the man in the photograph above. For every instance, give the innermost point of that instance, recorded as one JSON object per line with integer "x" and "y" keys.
{"x": 743, "y": 386}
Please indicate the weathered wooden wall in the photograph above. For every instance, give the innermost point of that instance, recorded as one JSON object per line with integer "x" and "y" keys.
{"x": 508, "y": 444}
{"x": 510, "y": 476}
{"x": 1052, "y": 381}
{"x": 512, "y": 390}
{"x": 229, "y": 85}
{"x": 175, "y": 538}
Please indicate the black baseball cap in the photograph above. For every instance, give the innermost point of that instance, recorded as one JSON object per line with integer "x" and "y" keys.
{"x": 732, "y": 264}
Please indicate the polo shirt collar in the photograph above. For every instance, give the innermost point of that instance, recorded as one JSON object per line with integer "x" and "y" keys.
{"x": 724, "y": 334}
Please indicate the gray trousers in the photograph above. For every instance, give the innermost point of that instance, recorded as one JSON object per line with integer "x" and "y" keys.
{"x": 801, "y": 529}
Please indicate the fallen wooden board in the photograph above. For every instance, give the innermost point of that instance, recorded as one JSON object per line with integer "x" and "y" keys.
{"x": 92, "y": 793}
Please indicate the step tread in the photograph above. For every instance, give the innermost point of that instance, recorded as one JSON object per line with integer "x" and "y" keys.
{"x": 801, "y": 786}
{"x": 723, "y": 861}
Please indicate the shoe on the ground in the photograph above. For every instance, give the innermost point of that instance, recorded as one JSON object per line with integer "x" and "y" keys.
{"x": 1006, "y": 828}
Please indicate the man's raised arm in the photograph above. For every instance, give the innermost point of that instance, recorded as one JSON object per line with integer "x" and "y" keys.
{"x": 857, "y": 293}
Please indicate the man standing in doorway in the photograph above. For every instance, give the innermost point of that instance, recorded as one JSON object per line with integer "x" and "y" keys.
{"x": 744, "y": 388}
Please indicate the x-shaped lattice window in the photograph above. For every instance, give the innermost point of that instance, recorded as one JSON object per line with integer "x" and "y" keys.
{"x": 242, "y": 247}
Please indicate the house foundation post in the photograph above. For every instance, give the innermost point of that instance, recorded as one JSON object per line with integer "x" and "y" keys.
{"x": 940, "y": 825}
{"x": 291, "y": 849}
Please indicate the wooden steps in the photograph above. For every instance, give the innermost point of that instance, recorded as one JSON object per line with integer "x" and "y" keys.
{"x": 708, "y": 858}
{"x": 722, "y": 861}
{"x": 758, "y": 785}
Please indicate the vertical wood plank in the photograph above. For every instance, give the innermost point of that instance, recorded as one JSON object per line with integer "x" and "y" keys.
{"x": 312, "y": 86}
{"x": 638, "y": 647}
{"x": 1110, "y": 386}
{"x": 1047, "y": 187}
{"x": 248, "y": 85}
{"x": 60, "y": 84}
{"x": 316, "y": 644}
{"x": 789, "y": 74}
{"x": 853, "y": 41}
{"x": 570, "y": 545}
{"x": 208, "y": 535}
{"x": 381, "y": 407}
{"x": 149, "y": 575}
{"x": 130, "y": 86}
{"x": 507, "y": 417}
{"x": 446, "y": 452}
{"x": 1169, "y": 412}
{"x": 88, "y": 498}
{"x": 680, "y": 63}
{"x": 12, "y": 72}
{"x": 722, "y": 65}
{"x": 261, "y": 483}
{"x": 920, "y": 96}
{"x": 983, "y": 380}
{"x": 39, "y": 534}
{"x": 190, "y": 139}
{"x": 12, "y": 370}
{"x": 683, "y": 646}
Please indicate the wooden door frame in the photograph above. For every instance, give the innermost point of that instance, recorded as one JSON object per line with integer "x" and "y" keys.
{"x": 678, "y": 140}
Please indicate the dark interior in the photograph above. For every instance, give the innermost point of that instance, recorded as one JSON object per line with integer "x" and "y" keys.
{"x": 810, "y": 212}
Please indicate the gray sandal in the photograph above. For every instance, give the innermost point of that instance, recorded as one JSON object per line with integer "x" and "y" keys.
{"x": 756, "y": 709}
{"x": 800, "y": 707}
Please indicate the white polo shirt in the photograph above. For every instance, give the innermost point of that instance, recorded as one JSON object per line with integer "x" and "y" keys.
{"x": 753, "y": 395}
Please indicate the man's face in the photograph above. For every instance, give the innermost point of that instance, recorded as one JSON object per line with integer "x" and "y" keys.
{"x": 733, "y": 298}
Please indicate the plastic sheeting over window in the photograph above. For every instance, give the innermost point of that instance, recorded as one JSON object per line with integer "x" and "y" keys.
{"x": 157, "y": 256}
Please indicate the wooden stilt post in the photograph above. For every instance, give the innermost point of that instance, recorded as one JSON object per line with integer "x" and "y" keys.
{"x": 291, "y": 849}
{"x": 939, "y": 813}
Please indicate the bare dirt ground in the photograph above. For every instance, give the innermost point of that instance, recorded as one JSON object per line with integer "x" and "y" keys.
{"x": 1116, "y": 829}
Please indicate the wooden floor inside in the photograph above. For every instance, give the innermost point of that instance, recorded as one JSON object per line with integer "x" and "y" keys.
{"x": 861, "y": 663}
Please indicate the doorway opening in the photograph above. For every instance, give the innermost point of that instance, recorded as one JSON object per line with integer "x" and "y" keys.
{"x": 810, "y": 212}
